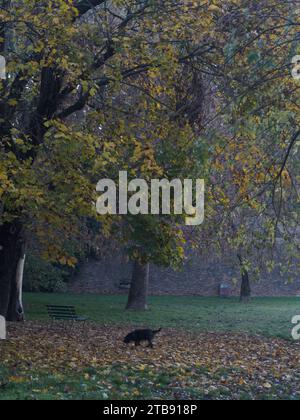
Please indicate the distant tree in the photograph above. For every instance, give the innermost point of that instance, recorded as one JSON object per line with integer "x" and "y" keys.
{"x": 254, "y": 187}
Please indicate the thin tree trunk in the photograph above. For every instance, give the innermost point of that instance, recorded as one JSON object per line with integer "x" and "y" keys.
{"x": 245, "y": 295}
{"x": 12, "y": 259}
{"x": 138, "y": 294}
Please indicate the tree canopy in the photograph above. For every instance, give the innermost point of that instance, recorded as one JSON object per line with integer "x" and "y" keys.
{"x": 161, "y": 89}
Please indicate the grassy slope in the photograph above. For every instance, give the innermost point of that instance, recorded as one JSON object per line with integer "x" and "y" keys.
{"x": 267, "y": 316}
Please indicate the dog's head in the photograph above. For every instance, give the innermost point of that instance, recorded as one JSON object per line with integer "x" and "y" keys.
{"x": 127, "y": 339}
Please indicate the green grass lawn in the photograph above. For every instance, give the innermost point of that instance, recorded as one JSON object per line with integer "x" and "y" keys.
{"x": 265, "y": 316}
{"x": 193, "y": 362}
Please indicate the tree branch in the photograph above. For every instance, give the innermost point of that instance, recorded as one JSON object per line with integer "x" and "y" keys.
{"x": 83, "y": 6}
{"x": 288, "y": 153}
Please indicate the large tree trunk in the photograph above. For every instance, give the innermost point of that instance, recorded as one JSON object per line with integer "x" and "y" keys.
{"x": 138, "y": 294}
{"x": 245, "y": 287}
{"x": 12, "y": 259}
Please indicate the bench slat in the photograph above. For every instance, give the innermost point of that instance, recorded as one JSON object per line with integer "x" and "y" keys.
{"x": 63, "y": 310}
{"x": 62, "y": 313}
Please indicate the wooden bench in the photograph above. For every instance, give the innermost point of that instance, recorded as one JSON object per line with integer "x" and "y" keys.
{"x": 64, "y": 313}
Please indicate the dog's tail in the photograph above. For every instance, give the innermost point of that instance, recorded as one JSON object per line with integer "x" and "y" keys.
{"x": 156, "y": 331}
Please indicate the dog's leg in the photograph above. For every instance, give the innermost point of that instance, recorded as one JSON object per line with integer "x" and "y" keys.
{"x": 137, "y": 343}
{"x": 150, "y": 344}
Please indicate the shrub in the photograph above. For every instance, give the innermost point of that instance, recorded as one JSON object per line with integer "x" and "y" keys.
{"x": 42, "y": 276}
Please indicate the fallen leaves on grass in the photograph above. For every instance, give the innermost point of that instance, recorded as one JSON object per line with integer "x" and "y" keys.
{"x": 182, "y": 364}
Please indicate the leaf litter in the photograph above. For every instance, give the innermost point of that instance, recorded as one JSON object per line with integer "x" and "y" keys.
{"x": 182, "y": 365}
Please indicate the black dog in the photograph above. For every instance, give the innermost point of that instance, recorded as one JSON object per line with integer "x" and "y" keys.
{"x": 138, "y": 336}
